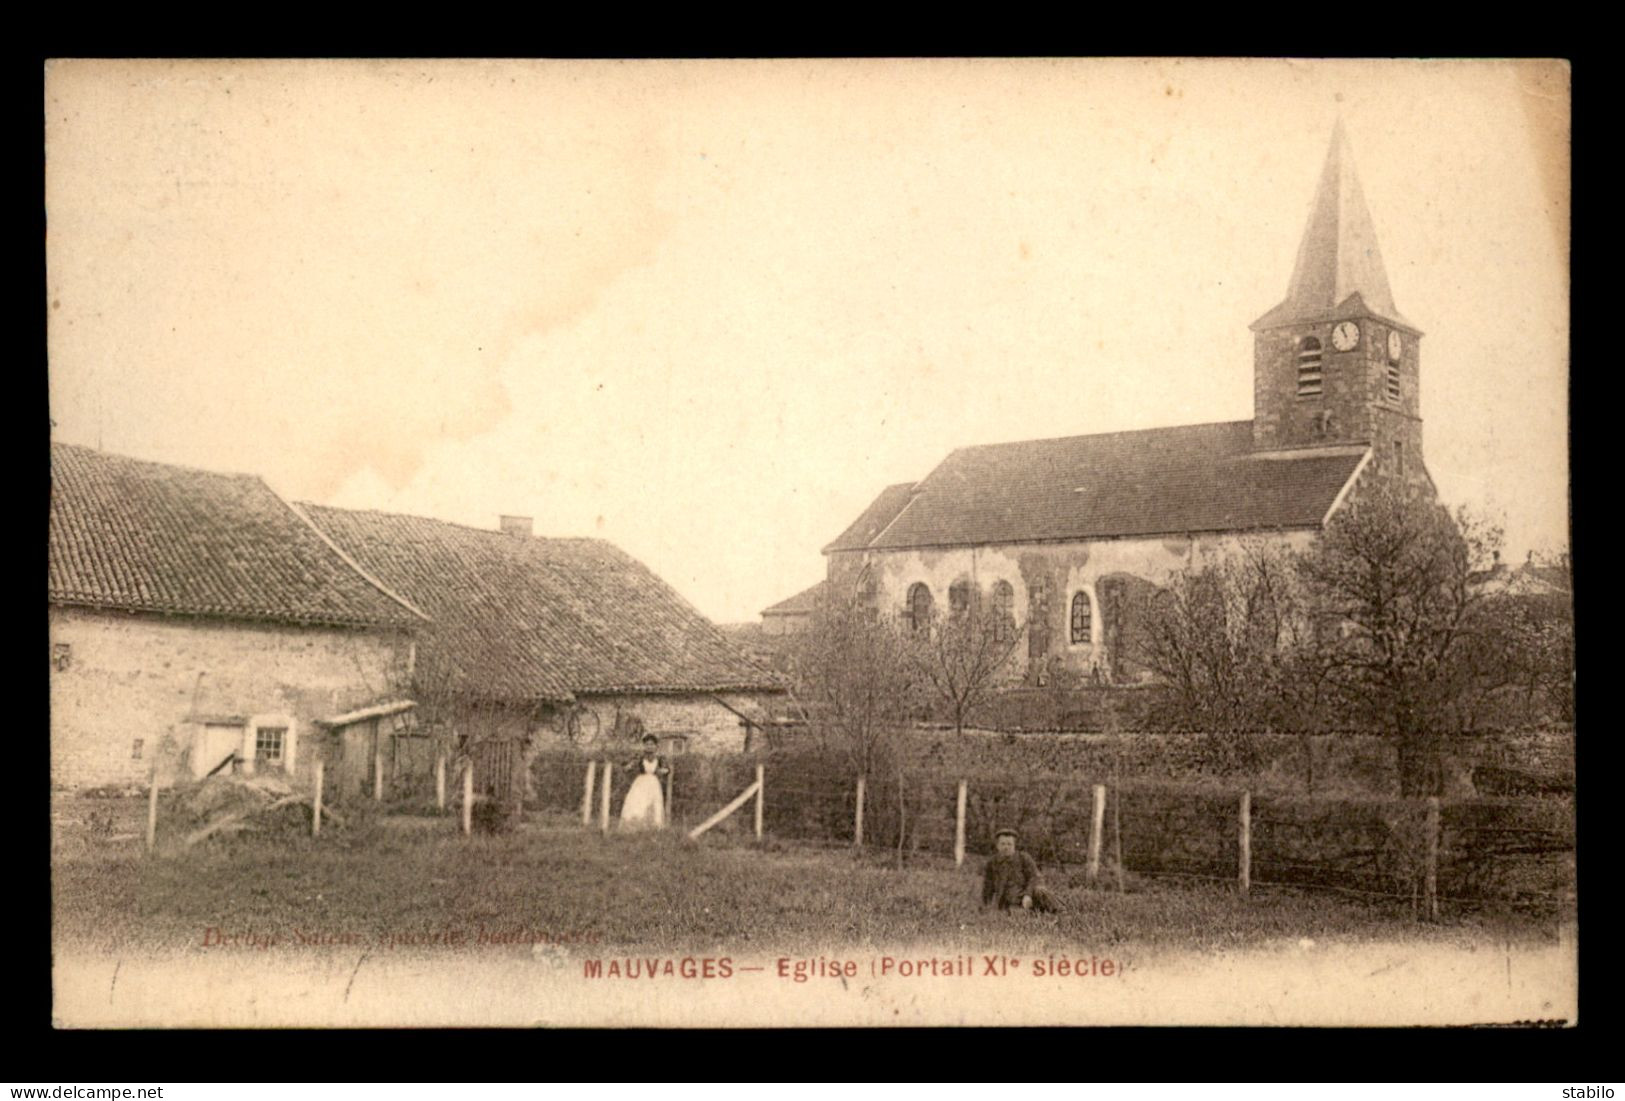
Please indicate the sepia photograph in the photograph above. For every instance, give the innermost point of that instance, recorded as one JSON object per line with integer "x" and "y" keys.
{"x": 805, "y": 543}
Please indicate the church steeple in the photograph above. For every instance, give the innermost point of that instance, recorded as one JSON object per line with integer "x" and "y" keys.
{"x": 1335, "y": 365}
{"x": 1338, "y": 257}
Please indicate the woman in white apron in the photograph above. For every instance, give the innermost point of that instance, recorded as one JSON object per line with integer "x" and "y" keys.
{"x": 645, "y": 805}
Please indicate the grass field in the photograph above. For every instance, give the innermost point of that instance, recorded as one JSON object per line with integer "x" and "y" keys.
{"x": 417, "y": 880}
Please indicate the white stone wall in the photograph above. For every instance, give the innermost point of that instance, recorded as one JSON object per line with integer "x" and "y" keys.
{"x": 1071, "y": 568}
{"x": 785, "y": 624}
{"x": 117, "y": 679}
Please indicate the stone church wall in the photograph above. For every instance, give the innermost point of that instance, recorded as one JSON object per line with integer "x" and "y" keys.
{"x": 1046, "y": 577}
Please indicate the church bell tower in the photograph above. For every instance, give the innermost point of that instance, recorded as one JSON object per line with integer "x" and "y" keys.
{"x": 1335, "y": 364}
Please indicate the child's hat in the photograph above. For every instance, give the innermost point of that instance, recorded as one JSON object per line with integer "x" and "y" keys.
{"x": 1003, "y": 833}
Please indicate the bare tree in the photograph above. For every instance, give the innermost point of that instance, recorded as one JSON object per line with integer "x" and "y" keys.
{"x": 1379, "y": 625}
{"x": 1394, "y": 573}
{"x": 1228, "y": 637}
{"x": 961, "y": 656}
{"x": 852, "y": 675}
{"x": 1543, "y": 627}
{"x": 1516, "y": 661}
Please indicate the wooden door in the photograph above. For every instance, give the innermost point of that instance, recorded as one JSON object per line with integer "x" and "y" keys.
{"x": 355, "y": 759}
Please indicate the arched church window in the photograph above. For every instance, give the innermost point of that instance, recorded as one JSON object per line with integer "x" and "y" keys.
{"x": 1004, "y": 611}
{"x": 919, "y": 606}
{"x": 868, "y": 593}
{"x": 959, "y": 598}
{"x": 1309, "y": 360}
{"x": 1082, "y": 619}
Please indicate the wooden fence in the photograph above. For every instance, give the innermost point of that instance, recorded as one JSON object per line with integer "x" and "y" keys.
{"x": 1425, "y": 853}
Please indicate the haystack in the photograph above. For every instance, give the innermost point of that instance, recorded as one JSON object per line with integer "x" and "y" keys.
{"x": 228, "y": 804}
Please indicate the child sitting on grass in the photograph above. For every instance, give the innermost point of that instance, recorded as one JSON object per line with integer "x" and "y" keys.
{"x": 1011, "y": 879}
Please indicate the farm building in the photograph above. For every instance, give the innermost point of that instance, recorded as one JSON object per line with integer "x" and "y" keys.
{"x": 548, "y": 639}
{"x": 791, "y": 616}
{"x": 1062, "y": 534}
{"x": 197, "y": 620}
{"x": 1532, "y": 580}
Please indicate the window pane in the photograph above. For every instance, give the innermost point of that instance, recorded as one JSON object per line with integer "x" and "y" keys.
{"x": 1080, "y": 618}
{"x": 268, "y": 742}
{"x": 919, "y": 601}
{"x": 1004, "y": 606}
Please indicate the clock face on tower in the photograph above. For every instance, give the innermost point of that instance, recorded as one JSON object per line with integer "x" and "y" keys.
{"x": 1346, "y": 336}
{"x": 1395, "y": 346}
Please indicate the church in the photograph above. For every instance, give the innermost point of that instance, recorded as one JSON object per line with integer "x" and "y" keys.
{"x": 1061, "y": 533}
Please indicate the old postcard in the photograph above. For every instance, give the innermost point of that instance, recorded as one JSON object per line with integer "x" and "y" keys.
{"x": 807, "y": 543}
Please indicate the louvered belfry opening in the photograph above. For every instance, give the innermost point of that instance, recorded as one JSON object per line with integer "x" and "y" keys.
{"x": 1309, "y": 367}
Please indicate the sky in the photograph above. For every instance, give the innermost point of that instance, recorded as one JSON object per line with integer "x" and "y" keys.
{"x": 707, "y": 310}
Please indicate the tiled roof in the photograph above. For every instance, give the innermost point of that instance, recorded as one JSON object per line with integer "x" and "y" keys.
{"x": 883, "y": 511}
{"x": 1160, "y": 481}
{"x": 531, "y": 619}
{"x": 140, "y": 536}
{"x": 800, "y": 604}
{"x": 1557, "y": 578}
{"x": 1526, "y": 580}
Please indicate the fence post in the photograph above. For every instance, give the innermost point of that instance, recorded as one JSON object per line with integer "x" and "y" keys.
{"x": 152, "y": 809}
{"x": 670, "y": 772}
{"x": 738, "y": 801}
{"x": 1117, "y": 835}
{"x": 959, "y": 827}
{"x": 1430, "y": 870}
{"x": 440, "y": 781}
{"x": 377, "y": 765}
{"x": 468, "y": 797}
{"x": 1097, "y": 825}
{"x": 1245, "y": 844}
{"x": 316, "y": 803}
{"x": 603, "y": 798}
{"x": 857, "y": 824}
{"x": 586, "y": 793}
{"x": 760, "y": 770}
